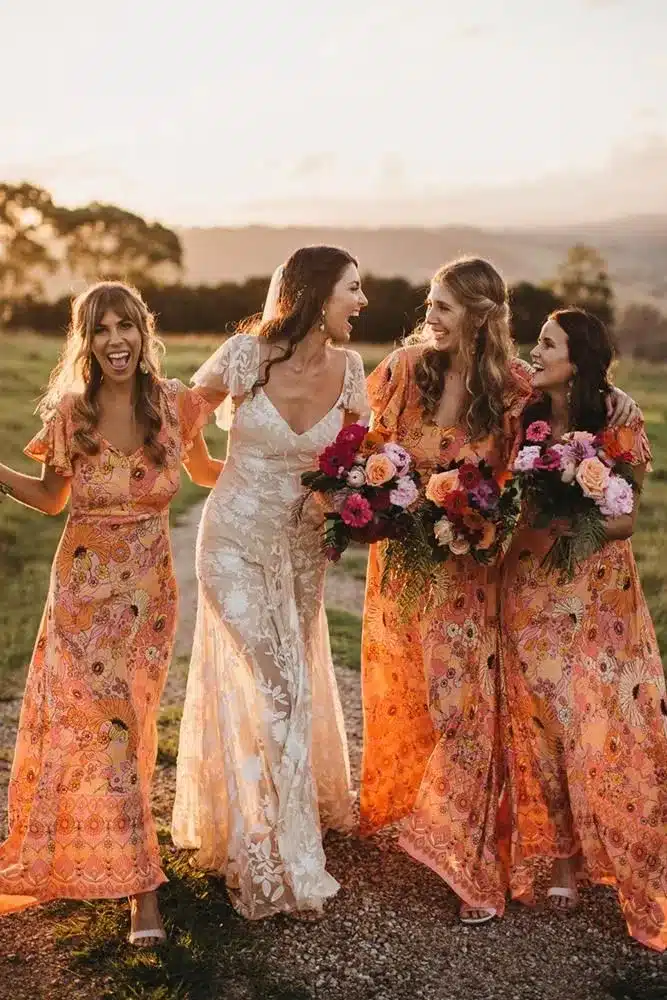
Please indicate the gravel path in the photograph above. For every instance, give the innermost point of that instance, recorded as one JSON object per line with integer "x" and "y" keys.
{"x": 392, "y": 933}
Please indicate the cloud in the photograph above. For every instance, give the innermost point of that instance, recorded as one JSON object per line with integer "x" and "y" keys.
{"x": 630, "y": 182}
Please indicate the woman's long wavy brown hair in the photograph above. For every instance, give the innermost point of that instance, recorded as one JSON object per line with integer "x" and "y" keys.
{"x": 78, "y": 371}
{"x": 309, "y": 277}
{"x": 486, "y": 345}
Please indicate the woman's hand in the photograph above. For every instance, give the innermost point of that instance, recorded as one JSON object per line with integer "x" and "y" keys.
{"x": 201, "y": 467}
{"x": 314, "y": 511}
{"x": 621, "y": 408}
{"x": 561, "y": 527}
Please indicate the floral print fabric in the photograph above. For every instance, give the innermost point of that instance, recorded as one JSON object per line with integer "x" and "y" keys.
{"x": 80, "y": 823}
{"x": 432, "y": 756}
{"x": 586, "y": 724}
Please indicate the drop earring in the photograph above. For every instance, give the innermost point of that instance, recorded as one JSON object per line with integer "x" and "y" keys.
{"x": 323, "y": 325}
{"x": 143, "y": 367}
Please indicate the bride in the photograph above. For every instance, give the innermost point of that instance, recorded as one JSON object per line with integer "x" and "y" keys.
{"x": 263, "y": 763}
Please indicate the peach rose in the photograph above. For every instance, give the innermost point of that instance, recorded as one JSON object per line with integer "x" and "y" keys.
{"x": 593, "y": 476}
{"x": 441, "y": 485}
{"x": 379, "y": 470}
{"x": 488, "y": 536}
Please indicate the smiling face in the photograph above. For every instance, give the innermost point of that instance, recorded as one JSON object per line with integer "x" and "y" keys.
{"x": 343, "y": 305}
{"x": 553, "y": 369}
{"x": 116, "y": 344}
{"x": 445, "y": 318}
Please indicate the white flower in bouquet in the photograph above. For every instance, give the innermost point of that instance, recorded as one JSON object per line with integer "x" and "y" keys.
{"x": 443, "y": 531}
{"x": 356, "y": 477}
{"x": 459, "y": 546}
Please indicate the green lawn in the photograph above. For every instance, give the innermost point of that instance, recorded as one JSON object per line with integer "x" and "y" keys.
{"x": 28, "y": 540}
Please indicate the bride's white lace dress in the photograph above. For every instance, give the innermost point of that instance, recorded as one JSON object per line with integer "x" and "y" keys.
{"x": 263, "y": 765}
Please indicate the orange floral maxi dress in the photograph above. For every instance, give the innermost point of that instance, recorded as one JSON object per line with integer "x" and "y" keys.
{"x": 586, "y": 724}
{"x": 431, "y": 734}
{"x": 80, "y": 823}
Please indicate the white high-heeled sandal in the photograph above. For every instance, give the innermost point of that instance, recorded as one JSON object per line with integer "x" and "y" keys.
{"x": 564, "y": 892}
{"x": 156, "y": 933}
{"x": 489, "y": 914}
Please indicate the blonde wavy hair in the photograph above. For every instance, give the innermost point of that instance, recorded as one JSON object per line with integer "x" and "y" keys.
{"x": 78, "y": 371}
{"x": 486, "y": 345}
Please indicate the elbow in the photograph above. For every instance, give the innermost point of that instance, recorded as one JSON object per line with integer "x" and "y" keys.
{"x": 622, "y": 529}
{"x": 55, "y": 505}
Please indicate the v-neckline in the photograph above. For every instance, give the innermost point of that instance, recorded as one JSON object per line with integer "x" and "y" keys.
{"x": 119, "y": 451}
{"x": 321, "y": 420}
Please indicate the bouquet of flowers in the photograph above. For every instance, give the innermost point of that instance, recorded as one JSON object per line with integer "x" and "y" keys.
{"x": 369, "y": 484}
{"x": 467, "y": 509}
{"x": 471, "y": 510}
{"x": 578, "y": 482}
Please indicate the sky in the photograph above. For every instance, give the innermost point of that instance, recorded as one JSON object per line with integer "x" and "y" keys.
{"x": 371, "y": 112}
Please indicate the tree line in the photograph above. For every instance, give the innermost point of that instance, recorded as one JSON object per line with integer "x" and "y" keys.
{"x": 38, "y": 238}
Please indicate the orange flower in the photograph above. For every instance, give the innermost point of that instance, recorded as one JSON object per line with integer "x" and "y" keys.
{"x": 78, "y": 618}
{"x": 441, "y": 485}
{"x": 618, "y": 441}
{"x": 374, "y": 439}
{"x": 473, "y": 520}
{"x": 379, "y": 470}
{"x": 503, "y": 477}
{"x": 488, "y": 536}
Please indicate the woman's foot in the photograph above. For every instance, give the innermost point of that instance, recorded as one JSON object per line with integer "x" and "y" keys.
{"x": 146, "y": 927}
{"x": 476, "y": 914}
{"x": 562, "y": 893}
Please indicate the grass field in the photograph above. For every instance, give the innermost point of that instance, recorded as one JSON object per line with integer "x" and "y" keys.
{"x": 28, "y": 540}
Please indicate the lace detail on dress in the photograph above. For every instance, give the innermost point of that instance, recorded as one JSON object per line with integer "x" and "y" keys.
{"x": 263, "y": 762}
{"x": 355, "y": 395}
{"x": 233, "y": 369}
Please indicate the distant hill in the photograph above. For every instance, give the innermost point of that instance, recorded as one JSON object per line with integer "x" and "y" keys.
{"x": 635, "y": 248}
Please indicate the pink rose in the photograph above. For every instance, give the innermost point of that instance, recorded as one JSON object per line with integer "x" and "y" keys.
{"x": 406, "y": 492}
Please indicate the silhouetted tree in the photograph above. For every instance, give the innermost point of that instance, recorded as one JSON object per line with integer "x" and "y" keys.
{"x": 583, "y": 280}
{"x": 642, "y": 332}
{"x": 26, "y": 240}
{"x": 531, "y": 304}
{"x": 104, "y": 241}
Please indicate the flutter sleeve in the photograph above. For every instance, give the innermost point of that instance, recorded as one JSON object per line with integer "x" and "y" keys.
{"x": 193, "y": 411}
{"x": 52, "y": 445}
{"x": 386, "y": 387}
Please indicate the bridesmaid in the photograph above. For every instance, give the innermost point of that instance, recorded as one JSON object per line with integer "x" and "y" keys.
{"x": 115, "y": 433}
{"x": 432, "y": 755}
{"x": 586, "y": 704}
